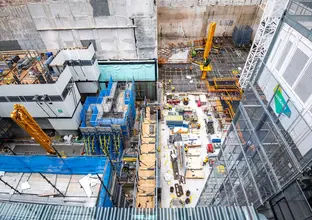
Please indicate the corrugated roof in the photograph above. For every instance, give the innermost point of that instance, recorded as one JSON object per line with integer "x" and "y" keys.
{"x": 16, "y": 211}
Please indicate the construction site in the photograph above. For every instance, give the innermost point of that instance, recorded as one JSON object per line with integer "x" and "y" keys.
{"x": 163, "y": 109}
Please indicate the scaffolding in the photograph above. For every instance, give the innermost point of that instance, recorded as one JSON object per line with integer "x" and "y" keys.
{"x": 24, "y": 67}
{"x": 107, "y": 120}
{"x": 268, "y": 24}
{"x": 259, "y": 157}
{"x": 146, "y": 185}
{"x": 56, "y": 180}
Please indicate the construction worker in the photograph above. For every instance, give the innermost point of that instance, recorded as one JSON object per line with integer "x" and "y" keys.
{"x": 169, "y": 82}
{"x": 186, "y": 149}
{"x": 205, "y": 161}
{"x": 172, "y": 89}
{"x": 185, "y": 101}
{"x": 198, "y": 126}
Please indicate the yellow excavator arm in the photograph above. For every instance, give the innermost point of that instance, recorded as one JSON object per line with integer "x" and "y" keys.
{"x": 22, "y": 117}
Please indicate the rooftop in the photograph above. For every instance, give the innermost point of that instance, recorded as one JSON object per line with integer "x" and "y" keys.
{"x": 24, "y": 67}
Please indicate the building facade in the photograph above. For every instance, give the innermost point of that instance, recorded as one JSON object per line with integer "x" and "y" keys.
{"x": 123, "y": 29}
{"x": 265, "y": 159}
{"x": 55, "y": 101}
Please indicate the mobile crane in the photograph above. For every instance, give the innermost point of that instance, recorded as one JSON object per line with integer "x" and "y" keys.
{"x": 22, "y": 117}
{"x": 205, "y": 67}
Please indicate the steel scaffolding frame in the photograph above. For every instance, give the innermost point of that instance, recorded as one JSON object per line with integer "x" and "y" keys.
{"x": 269, "y": 22}
{"x": 259, "y": 157}
{"x": 261, "y": 152}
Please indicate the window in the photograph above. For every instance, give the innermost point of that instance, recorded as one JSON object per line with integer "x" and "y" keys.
{"x": 304, "y": 87}
{"x": 68, "y": 87}
{"x": 283, "y": 55}
{"x": 55, "y": 98}
{"x": 65, "y": 92}
{"x": 277, "y": 48}
{"x": 3, "y": 99}
{"x": 14, "y": 99}
{"x": 295, "y": 67}
{"x": 29, "y": 98}
{"x": 86, "y": 62}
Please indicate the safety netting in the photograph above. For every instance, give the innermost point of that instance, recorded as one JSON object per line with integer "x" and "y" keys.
{"x": 52, "y": 164}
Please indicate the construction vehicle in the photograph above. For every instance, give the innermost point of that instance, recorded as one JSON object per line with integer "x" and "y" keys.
{"x": 22, "y": 117}
{"x": 205, "y": 66}
{"x": 210, "y": 148}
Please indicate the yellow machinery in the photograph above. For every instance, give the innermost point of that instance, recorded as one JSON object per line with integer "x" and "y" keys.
{"x": 22, "y": 117}
{"x": 230, "y": 110}
{"x": 185, "y": 101}
{"x": 205, "y": 67}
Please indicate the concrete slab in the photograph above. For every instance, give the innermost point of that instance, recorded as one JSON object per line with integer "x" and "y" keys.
{"x": 196, "y": 174}
{"x": 194, "y": 185}
{"x": 180, "y": 57}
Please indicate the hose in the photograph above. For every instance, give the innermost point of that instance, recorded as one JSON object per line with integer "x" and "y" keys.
{"x": 93, "y": 150}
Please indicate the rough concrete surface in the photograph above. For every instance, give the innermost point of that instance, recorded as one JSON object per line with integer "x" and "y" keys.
{"x": 16, "y": 24}
{"x": 182, "y": 21}
{"x": 121, "y": 29}
{"x": 193, "y": 3}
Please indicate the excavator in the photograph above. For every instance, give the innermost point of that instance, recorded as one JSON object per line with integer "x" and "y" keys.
{"x": 22, "y": 117}
{"x": 205, "y": 66}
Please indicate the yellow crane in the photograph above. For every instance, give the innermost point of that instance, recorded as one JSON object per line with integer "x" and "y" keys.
{"x": 205, "y": 67}
{"x": 22, "y": 117}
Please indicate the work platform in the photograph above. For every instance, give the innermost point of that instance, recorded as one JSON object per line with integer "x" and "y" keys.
{"x": 24, "y": 67}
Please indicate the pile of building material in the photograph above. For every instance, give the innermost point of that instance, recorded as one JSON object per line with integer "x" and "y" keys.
{"x": 145, "y": 195}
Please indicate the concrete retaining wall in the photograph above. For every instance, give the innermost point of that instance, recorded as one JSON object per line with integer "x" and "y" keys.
{"x": 121, "y": 29}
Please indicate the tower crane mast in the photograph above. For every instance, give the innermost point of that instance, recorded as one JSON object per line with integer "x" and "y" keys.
{"x": 270, "y": 19}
